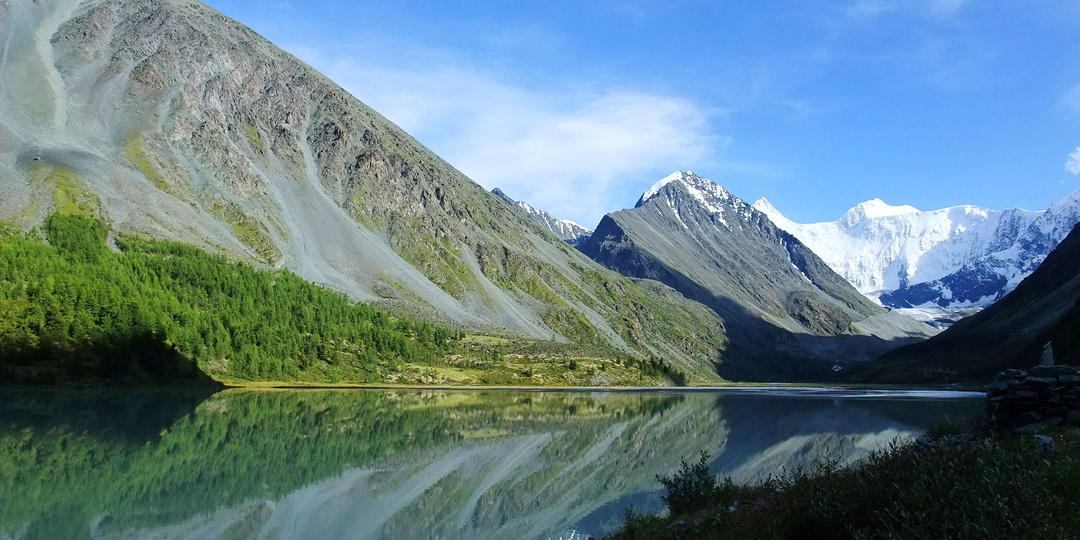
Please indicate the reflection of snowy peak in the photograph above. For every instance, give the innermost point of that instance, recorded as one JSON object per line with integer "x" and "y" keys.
{"x": 564, "y": 229}
{"x": 954, "y": 257}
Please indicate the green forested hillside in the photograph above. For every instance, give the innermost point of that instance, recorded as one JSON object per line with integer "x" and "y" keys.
{"x": 74, "y": 310}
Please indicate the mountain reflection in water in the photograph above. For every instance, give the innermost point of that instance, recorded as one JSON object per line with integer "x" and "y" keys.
{"x": 403, "y": 463}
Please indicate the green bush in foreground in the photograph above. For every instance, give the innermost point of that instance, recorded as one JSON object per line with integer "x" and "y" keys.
{"x": 693, "y": 488}
{"x": 983, "y": 488}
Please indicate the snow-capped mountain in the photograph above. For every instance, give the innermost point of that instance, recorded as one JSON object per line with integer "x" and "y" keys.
{"x": 564, "y": 229}
{"x": 786, "y": 313}
{"x": 952, "y": 258}
{"x": 1011, "y": 333}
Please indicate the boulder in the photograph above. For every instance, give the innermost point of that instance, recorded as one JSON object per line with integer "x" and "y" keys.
{"x": 1036, "y": 427}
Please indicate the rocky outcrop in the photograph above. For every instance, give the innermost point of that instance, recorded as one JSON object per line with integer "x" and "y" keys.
{"x": 1036, "y": 399}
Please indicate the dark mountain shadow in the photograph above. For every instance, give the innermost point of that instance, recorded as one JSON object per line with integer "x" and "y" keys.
{"x": 135, "y": 417}
{"x": 756, "y": 349}
{"x": 140, "y": 359}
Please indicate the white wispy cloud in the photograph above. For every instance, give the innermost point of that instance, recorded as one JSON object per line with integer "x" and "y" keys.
{"x": 938, "y": 9}
{"x": 1071, "y": 99}
{"x": 871, "y": 8}
{"x": 1072, "y": 164}
{"x": 576, "y": 153}
{"x": 944, "y": 8}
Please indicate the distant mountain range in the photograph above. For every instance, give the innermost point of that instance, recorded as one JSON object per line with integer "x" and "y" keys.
{"x": 783, "y": 308}
{"x": 953, "y": 258}
{"x": 563, "y": 229}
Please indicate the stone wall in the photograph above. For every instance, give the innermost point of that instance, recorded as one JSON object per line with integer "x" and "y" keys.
{"x": 1040, "y": 398}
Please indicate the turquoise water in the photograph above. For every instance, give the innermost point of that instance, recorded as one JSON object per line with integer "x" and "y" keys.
{"x": 407, "y": 464}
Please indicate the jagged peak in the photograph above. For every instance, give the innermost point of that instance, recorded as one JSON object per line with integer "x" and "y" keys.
{"x": 673, "y": 177}
{"x": 763, "y": 205}
{"x": 698, "y": 186}
{"x": 520, "y": 204}
{"x": 563, "y": 228}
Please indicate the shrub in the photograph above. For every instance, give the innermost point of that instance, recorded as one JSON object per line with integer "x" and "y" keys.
{"x": 692, "y": 488}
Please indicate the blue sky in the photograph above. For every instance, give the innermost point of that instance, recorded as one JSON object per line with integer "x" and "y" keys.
{"x": 579, "y": 106}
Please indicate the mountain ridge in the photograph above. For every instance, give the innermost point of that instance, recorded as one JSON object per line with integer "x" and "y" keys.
{"x": 563, "y": 229}
{"x": 781, "y": 305}
{"x": 952, "y": 258}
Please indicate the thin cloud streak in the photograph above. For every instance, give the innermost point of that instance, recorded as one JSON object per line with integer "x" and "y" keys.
{"x": 1071, "y": 99}
{"x": 938, "y": 9}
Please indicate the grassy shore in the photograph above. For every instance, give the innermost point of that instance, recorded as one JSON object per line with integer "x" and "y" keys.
{"x": 954, "y": 482}
{"x": 650, "y": 385}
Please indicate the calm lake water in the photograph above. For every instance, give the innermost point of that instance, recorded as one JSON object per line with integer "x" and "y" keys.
{"x": 406, "y": 464}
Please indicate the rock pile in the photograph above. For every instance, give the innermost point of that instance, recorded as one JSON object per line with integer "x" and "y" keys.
{"x": 1029, "y": 401}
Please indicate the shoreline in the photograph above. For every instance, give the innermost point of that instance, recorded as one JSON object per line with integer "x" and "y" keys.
{"x": 774, "y": 387}
{"x": 963, "y": 392}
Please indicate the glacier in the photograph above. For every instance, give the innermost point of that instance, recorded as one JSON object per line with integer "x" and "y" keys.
{"x": 949, "y": 260}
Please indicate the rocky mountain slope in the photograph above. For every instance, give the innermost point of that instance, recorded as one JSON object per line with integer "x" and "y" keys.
{"x": 783, "y": 308}
{"x": 953, "y": 258}
{"x": 563, "y": 229}
{"x": 1044, "y": 307}
{"x": 174, "y": 121}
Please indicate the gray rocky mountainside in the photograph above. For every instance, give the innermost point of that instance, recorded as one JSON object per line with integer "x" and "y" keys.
{"x": 177, "y": 122}
{"x": 563, "y": 229}
{"x": 784, "y": 309}
{"x": 1010, "y": 333}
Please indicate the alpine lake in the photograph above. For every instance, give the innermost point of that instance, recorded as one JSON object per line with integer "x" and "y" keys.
{"x": 348, "y": 463}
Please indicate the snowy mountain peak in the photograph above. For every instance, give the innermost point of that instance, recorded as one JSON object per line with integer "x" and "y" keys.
{"x": 675, "y": 176}
{"x": 707, "y": 192}
{"x": 1071, "y": 200}
{"x": 953, "y": 257}
{"x": 763, "y": 205}
{"x": 875, "y": 209}
{"x": 685, "y": 191}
